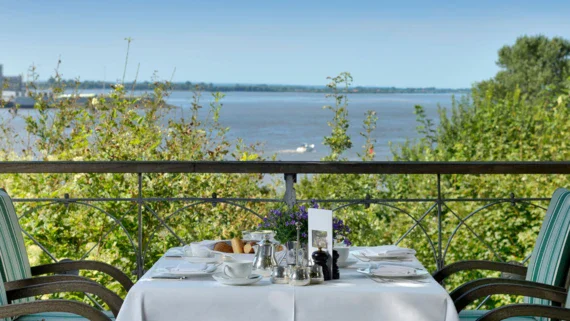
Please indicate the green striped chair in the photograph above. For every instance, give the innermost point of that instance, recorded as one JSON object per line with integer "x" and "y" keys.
{"x": 527, "y": 311}
{"x": 546, "y": 273}
{"x": 20, "y": 279}
{"x": 47, "y": 310}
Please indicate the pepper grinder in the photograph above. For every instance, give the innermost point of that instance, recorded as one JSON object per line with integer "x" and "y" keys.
{"x": 335, "y": 270}
{"x": 321, "y": 258}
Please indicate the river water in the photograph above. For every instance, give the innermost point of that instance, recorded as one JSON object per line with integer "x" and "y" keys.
{"x": 284, "y": 121}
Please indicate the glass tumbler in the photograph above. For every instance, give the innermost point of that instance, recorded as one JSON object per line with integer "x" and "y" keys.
{"x": 299, "y": 276}
{"x": 280, "y": 275}
{"x": 316, "y": 273}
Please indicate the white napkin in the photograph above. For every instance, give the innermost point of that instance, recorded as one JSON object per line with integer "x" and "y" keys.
{"x": 387, "y": 250}
{"x": 184, "y": 268}
{"x": 393, "y": 270}
{"x": 175, "y": 251}
{"x": 181, "y": 251}
{"x": 209, "y": 243}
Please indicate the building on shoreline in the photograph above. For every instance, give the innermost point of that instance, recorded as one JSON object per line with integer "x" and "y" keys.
{"x": 14, "y": 84}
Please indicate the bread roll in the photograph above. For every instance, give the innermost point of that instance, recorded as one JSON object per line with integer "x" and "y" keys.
{"x": 248, "y": 249}
{"x": 223, "y": 247}
{"x": 237, "y": 245}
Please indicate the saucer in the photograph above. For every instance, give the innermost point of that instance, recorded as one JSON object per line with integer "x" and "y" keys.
{"x": 222, "y": 278}
{"x": 346, "y": 263}
{"x": 198, "y": 259}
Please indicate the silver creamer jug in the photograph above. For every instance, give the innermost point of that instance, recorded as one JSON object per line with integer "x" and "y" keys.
{"x": 265, "y": 257}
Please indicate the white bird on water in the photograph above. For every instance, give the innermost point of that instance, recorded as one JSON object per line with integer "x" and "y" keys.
{"x": 305, "y": 148}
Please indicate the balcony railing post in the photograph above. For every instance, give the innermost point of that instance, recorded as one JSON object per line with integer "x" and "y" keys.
{"x": 290, "y": 197}
{"x": 140, "y": 259}
{"x": 440, "y": 261}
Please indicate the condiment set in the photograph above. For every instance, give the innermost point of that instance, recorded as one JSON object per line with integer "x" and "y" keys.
{"x": 266, "y": 264}
{"x": 297, "y": 274}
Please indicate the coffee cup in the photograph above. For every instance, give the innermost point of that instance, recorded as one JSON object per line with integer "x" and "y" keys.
{"x": 197, "y": 250}
{"x": 238, "y": 269}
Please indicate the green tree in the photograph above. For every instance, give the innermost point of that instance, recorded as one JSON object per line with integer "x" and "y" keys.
{"x": 505, "y": 127}
{"x": 535, "y": 64}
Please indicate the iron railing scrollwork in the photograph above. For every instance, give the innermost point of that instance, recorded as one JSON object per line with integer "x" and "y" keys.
{"x": 438, "y": 207}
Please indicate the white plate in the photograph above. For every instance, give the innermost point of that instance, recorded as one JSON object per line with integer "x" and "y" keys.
{"x": 376, "y": 258}
{"x": 222, "y": 278}
{"x": 346, "y": 263}
{"x": 415, "y": 273}
{"x": 197, "y": 259}
{"x": 173, "y": 272}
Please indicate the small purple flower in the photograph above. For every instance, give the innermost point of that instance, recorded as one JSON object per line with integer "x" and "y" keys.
{"x": 314, "y": 204}
{"x": 283, "y": 221}
{"x": 347, "y": 242}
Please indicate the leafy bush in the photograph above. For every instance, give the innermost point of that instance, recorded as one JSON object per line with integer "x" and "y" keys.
{"x": 124, "y": 127}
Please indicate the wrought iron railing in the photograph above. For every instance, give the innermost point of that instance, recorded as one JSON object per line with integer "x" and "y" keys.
{"x": 436, "y": 205}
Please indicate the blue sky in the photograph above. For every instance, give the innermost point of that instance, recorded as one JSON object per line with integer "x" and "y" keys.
{"x": 382, "y": 43}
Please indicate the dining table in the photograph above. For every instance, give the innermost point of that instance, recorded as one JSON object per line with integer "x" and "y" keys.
{"x": 354, "y": 296}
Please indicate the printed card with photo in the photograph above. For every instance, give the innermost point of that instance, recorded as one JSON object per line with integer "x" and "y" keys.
{"x": 320, "y": 231}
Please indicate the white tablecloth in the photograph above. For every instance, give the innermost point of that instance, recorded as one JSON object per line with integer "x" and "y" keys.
{"x": 354, "y": 297}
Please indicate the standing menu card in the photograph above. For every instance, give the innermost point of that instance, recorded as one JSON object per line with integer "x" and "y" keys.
{"x": 321, "y": 232}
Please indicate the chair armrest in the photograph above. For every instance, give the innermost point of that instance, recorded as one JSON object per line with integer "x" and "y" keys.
{"x": 82, "y": 309}
{"x": 61, "y": 267}
{"x": 111, "y": 299}
{"x": 44, "y": 280}
{"x": 452, "y": 268}
{"x": 531, "y": 310}
{"x": 467, "y": 287}
{"x": 512, "y": 289}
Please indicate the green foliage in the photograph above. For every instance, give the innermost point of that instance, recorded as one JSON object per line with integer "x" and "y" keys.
{"x": 536, "y": 65}
{"x": 493, "y": 128}
{"x": 338, "y": 141}
{"x": 426, "y": 127}
{"x": 369, "y": 125}
{"x": 124, "y": 127}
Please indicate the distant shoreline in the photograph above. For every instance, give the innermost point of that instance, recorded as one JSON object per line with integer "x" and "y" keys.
{"x": 210, "y": 87}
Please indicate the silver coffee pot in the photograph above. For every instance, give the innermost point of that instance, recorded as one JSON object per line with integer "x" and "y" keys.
{"x": 265, "y": 261}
